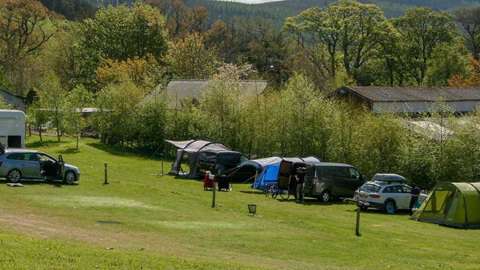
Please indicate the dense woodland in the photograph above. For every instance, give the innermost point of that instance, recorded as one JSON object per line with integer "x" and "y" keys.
{"x": 113, "y": 57}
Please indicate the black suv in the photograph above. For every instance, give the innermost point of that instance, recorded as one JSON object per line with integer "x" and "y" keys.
{"x": 327, "y": 181}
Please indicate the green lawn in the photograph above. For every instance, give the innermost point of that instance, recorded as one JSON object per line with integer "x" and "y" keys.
{"x": 144, "y": 221}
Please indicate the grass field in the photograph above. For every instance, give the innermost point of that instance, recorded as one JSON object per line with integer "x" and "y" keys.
{"x": 144, "y": 221}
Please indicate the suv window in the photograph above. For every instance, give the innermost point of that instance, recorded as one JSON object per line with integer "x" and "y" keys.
{"x": 43, "y": 157}
{"x": 354, "y": 174}
{"x": 393, "y": 189}
{"x": 16, "y": 156}
{"x": 407, "y": 189}
{"x": 335, "y": 172}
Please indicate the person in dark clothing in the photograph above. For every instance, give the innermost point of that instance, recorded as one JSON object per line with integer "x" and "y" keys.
{"x": 300, "y": 179}
{"x": 414, "y": 199}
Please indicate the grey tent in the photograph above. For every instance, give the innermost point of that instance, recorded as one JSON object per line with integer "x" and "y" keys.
{"x": 203, "y": 155}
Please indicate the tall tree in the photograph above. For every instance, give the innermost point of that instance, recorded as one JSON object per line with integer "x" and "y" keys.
{"x": 121, "y": 33}
{"x": 346, "y": 27}
{"x": 469, "y": 19}
{"x": 76, "y": 100}
{"x": 52, "y": 99}
{"x": 190, "y": 59}
{"x": 423, "y": 30}
{"x": 22, "y": 34}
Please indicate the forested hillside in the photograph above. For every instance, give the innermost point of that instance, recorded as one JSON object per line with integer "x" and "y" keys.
{"x": 278, "y": 11}
{"x": 275, "y": 11}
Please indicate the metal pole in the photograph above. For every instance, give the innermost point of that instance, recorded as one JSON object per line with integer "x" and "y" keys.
{"x": 357, "y": 226}
{"x": 162, "y": 167}
{"x": 213, "y": 193}
{"x": 106, "y": 174}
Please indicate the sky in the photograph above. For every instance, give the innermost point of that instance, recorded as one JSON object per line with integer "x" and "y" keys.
{"x": 251, "y": 1}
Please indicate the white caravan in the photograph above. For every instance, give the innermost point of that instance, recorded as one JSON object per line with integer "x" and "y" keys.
{"x": 12, "y": 128}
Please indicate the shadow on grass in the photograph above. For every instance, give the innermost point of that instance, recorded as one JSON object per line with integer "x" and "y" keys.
{"x": 57, "y": 184}
{"x": 380, "y": 212}
{"x": 44, "y": 143}
{"x": 125, "y": 151}
{"x": 256, "y": 192}
{"x": 71, "y": 150}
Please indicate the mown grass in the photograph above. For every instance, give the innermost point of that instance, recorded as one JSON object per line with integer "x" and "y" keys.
{"x": 145, "y": 221}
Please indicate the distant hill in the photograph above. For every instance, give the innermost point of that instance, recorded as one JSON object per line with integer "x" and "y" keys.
{"x": 275, "y": 11}
{"x": 278, "y": 11}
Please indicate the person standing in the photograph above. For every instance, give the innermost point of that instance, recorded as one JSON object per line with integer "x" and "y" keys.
{"x": 300, "y": 179}
{"x": 414, "y": 198}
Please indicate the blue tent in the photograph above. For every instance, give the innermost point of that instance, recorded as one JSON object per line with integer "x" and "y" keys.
{"x": 266, "y": 171}
{"x": 268, "y": 174}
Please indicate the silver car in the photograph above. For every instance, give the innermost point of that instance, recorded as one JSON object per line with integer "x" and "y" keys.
{"x": 25, "y": 164}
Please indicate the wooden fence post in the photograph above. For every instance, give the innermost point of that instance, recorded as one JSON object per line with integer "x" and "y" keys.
{"x": 106, "y": 174}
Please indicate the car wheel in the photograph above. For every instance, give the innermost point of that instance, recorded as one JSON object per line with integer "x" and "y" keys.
{"x": 364, "y": 208}
{"x": 390, "y": 207}
{"x": 325, "y": 197}
{"x": 70, "y": 178}
{"x": 14, "y": 176}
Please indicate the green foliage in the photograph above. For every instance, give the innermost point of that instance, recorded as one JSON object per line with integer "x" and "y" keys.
{"x": 423, "y": 30}
{"x": 121, "y": 34}
{"x": 190, "y": 59}
{"x": 76, "y": 100}
{"x": 117, "y": 121}
{"x": 4, "y": 105}
{"x": 52, "y": 98}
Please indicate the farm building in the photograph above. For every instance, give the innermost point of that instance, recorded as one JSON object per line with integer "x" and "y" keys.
{"x": 16, "y": 102}
{"x": 180, "y": 91}
{"x": 410, "y": 100}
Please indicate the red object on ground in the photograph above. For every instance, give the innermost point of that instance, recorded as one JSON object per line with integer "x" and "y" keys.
{"x": 208, "y": 183}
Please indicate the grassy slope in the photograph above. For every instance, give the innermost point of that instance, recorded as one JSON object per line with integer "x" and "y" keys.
{"x": 164, "y": 223}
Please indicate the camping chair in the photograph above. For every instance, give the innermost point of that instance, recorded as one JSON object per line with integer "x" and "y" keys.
{"x": 208, "y": 182}
{"x": 223, "y": 183}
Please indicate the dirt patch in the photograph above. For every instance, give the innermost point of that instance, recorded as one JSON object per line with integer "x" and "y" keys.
{"x": 57, "y": 228}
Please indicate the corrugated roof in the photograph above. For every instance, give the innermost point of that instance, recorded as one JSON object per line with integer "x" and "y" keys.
{"x": 403, "y": 94}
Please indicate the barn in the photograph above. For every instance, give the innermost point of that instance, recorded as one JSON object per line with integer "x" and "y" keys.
{"x": 410, "y": 100}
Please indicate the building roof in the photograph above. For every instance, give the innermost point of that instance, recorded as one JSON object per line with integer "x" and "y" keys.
{"x": 178, "y": 90}
{"x": 406, "y": 94}
{"x": 17, "y": 102}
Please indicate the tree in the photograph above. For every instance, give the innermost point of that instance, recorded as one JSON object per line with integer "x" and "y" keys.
{"x": 22, "y": 34}
{"x": 76, "y": 100}
{"x": 347, "y": 27}
{"x": 447, "y": 61}
{"x": 118, "y": 118}
{"x": 121, "y": 33}
{"x": 423, "y": 30}
{"x": 37, "y": 117}
{"x": 471, "y": 79}
{"x": 52, "y": 100}
{"x": 144, "y": 72}
{"x": 4, "y": 105}
{"x": 189, "y": 59}
{"x": 469, "y": 19}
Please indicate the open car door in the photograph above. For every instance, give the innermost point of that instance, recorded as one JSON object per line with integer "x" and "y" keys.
{"x": 61, "y": 167}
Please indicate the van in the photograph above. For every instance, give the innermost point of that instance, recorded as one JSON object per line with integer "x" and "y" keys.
{"x": 12, "y": 128}
{"x": 327, "y": 181}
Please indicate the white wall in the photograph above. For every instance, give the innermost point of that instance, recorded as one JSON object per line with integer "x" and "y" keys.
{"x": 420, "y": 107}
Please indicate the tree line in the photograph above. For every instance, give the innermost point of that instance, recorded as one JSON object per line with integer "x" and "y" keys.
{"x": 113, "y": 60}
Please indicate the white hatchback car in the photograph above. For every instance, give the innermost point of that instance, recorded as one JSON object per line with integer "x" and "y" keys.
{"x": 388, "y": 192}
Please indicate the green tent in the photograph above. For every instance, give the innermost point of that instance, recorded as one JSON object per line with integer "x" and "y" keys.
{"x": 452, "y": 204}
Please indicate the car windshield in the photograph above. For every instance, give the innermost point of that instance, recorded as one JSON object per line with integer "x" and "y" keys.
{"x": 370, "y": 188}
